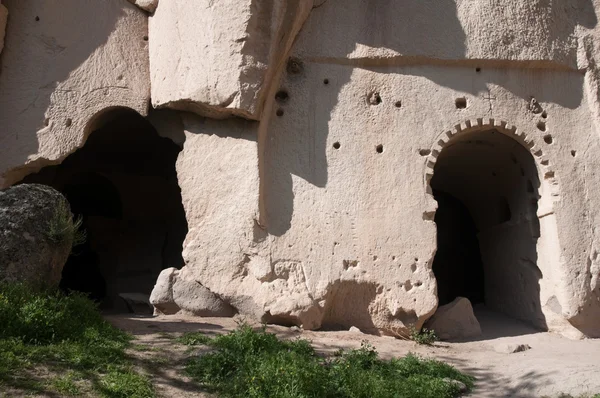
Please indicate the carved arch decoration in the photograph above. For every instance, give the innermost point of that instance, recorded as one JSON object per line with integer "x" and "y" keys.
{"x": 549, "y": 188}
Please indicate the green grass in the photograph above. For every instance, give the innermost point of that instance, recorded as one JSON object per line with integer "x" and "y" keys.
{"x": 249, "y": 363}
{"x": 50, "y": 342}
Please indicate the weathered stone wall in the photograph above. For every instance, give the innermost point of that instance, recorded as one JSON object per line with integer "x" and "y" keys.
{"x": 389, "y": 75}
{"x": 60, "y": 67}
{"x": 318, "y": 209}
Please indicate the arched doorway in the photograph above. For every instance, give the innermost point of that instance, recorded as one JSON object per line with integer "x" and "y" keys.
{"x": 123, "y": 184}
{"x": 486, "y": 185}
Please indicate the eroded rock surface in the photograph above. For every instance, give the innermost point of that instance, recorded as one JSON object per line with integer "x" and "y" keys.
{"x": 226, "y": 69}
{"x": 35, "y": 238}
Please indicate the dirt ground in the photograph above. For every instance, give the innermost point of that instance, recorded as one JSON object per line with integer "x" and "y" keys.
{"x": 552, "y": 366}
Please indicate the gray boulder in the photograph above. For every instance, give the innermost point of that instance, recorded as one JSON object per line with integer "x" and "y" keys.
{"x": 162, "y": 294}
{"x": 196, "y": 299}
{"x": 36, "y": 235}
{"x": 173, "y": 293}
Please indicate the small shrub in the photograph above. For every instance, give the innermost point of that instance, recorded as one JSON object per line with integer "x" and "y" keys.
{"x": 257, "y": 364}
{"x": 424, "y": 336}
{"x": 62, "y": 228}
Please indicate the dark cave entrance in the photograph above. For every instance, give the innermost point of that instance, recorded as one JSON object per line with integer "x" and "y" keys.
{"x": 123, "y": 184}
{"x": 486, "y": 185}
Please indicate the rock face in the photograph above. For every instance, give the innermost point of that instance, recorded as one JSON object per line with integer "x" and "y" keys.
{"x": 314, "y": 134}
{"x": 73, "y": 71}
{"x": 33, "y": 246}
{"x": 455, "y": 321}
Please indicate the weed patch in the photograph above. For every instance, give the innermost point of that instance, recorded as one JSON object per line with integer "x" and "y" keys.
{"x": 256, "y": 364}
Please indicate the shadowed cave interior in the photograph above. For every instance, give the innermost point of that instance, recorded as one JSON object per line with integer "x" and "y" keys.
{"x": 123, "y": 184}
{"x": 486, "y": 185}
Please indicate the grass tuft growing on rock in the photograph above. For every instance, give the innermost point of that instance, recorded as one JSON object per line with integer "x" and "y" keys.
{"x": 249, "y": 363}
{"x": 63, "y": 228}
{"x": 53, "y": 343}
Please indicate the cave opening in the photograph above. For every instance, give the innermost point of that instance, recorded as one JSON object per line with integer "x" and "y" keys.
{"x": 123, "y": 184}
{"x": 486, "y": 185}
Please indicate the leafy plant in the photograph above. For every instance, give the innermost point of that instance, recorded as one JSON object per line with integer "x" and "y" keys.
{"x": 424, "y": 336}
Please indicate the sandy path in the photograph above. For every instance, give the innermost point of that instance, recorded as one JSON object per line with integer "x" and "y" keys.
{"x": 552, "y": 366}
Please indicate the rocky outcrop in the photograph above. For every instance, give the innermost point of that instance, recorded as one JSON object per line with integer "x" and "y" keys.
{"x": 240, "y": 54}
{"x": 455, "y": 321}
{"x": 36, "y": 235}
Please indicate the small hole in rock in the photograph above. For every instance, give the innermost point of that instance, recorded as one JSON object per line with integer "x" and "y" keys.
{"x": 282, "y": 96}
{"x": 573, "y": 153}
{"x": 294, "y": 66}
{"x": 279, "y": 112}
{"x": 68, "y": 122}
{"x": 541, "y": 126}
{"x": 325, "y": 81}
{"x": 336, "y": 145}
{"x": 379, "y": 148}
{"x": 37, "y": 19}
{"x": 545, "y": 162}
{"x": 46, "y": 122}
{"x": 398, "y": 104}
{"x": 145, "y": 38}
{"x": 461, "y": 103}
{"x": 424, "y": 152}
{"x": 477, "y": 70}
{"x": 544, "y": 114}
{"x": 548, "y": 139}
{"x": 374, "y": 98}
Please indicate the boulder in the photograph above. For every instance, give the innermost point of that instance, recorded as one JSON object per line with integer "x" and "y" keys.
{"x": 455, "y": 321}
{"x": 36, "y": 235}
{"x": 162, "y": 294}
{"x": 173, "y": 293}
{"x": 197, "y": 300}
